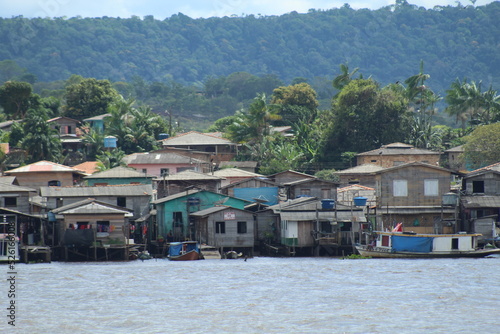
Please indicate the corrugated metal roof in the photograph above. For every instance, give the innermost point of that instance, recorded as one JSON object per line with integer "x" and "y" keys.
{"x": 481, "y": 201}
{"x": 339, "y": 216}
{"x": 7, "y": 179}
{"x": 13, "y": 188}
{"x": 239, "y": 164}
{"x": 160, "y": 158}
{"x": 211, "y": 210}
{"x": 398, "y": 149}
{"x": 118, "y": 190}
{"x": 189, "y": 175}
{"x": 44, "y": 166}
{"x": 361, "y": 169}
{"x": 235, "y": 172}
{"x": 175, "y": 196}
{"x": 97, "y": 118}
{"x": 118, "y": 173}
{"x": 91, "y": 206}
{"x": 88, "y": 167}
{"x": 196, "y": 138}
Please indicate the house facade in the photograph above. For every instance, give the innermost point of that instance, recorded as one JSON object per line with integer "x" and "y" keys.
{"x": 173, "y": 212}
{"x": 46, "y": 173}
{"x": 226, "y": 228}
{"x": 396, "y": 154}
{"x": 412, "y": 194}
{"x": 163, "y": 164}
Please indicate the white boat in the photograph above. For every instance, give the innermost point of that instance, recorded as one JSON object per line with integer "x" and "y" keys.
{"x": 210, "y": 252}
{"x": 414, "y": 245}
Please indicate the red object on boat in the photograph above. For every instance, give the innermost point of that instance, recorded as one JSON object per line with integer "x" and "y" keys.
{"x": 398, "y": 228}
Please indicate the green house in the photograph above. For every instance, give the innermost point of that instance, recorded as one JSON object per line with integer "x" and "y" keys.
{"x": 172, "y": 215}
{"x": 118, "y": 175}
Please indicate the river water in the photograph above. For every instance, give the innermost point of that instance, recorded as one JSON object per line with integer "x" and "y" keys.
{"x": 260, "y": 295}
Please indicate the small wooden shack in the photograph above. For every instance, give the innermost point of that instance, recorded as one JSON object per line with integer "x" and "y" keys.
{"x": 227, "y": 228}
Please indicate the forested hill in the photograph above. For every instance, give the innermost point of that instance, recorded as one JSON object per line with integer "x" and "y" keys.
{"x": 386, "y": 44}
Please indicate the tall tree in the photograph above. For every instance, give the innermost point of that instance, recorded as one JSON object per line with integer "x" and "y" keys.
{"x": 40, "y": 141}
{"x": 482, "y": 146}
{"x": 16, "y": 99}
{"x": 363, "y": 118}
{"x": 88, "y": 98}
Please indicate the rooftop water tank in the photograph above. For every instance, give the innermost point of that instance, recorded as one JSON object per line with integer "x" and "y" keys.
{"x": 110, "y": 142}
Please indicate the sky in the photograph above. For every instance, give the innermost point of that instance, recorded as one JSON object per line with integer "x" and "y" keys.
{"x": 162, "y": 9}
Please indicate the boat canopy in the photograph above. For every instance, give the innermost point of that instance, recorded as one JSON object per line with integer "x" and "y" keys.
{"x": 402, "y": 243}
{"x": 178, "y": 248}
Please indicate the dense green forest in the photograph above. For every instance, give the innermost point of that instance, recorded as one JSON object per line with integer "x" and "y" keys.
{"x": 388, "y": 44}
{"x": 345, "y": 81}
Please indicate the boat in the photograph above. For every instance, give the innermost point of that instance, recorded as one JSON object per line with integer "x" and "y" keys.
{"x": 396, "y": 244}
{"x": 184, "y": 251}
{"x": 210, "y": 252}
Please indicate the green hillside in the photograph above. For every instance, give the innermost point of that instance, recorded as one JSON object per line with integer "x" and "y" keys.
{"x": 386, "y": 44}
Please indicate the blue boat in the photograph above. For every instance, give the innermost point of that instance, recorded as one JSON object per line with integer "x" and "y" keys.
{"x": 184, "y": 251}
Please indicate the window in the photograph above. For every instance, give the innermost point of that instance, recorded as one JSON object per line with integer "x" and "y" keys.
{"x": 54, "y": 183}
{"x": 326, "y": 227}
{"x": 326, "y": 193}
{"x": 10, "y": 201}
{"x": 59, "y": 202}
{"x": 121, "y": 201}
{"x": 454, "y": 243}
{"x": 164, "y": 172}
{"x": 102, "y": 226}
{"x": 145, "y": 170}
{"x": 242, "y": 227}
{"x": 478, "y": 187}
{"x": 177, "y": 216}
{"x": 220, "y": 227}
{"x": 431, "y": 187}
{"x": 400, "y": 188}
{"x": 305, "y": 192}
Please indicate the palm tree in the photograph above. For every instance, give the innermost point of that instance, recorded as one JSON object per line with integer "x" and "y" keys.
{"x": 41, "y": 142}
{"x": 254, "y": 124}
{"x": 344, "y": 77}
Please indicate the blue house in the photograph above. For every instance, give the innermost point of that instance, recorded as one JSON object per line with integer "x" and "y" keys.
{"x": 172, "y": 212}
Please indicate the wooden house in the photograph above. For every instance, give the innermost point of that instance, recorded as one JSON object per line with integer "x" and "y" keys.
{"x": 88, "y": 226}
{"x": 97, "y": 122}
{"x": 16, "y": 198}
{"x": 454, "y": 158}
{"x": 172, "y": 212}
{"x": 233, "y": 175}
{"x": 226, "y": 228}
{"x": 163, "y": 164}
{"x": 312, "y": 187}
{"x": 118, "y": 175}
{"x": 396, "y": 154}
{"x": 256, "y": 189}
{"x": 362, "y": 174}
{"x": 310, "y": 226}
{"x": 179, "y": 182}
{"x": 289, "y": 176}
{"x": 480, "y": 201}
{"x": 249, "y": 166}
{"x": 412, "y": 194}
{"x": 221, "y": 149}
{"x": 135, "y": 197}
{"x": 346, "y": 195}
{"x": 46, "y": 173}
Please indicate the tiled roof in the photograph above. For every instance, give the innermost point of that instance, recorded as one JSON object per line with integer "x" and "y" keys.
{"x": 44, "y": 166}
{"x": 88, "y": 167}
{"x": 493, "y": 168}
